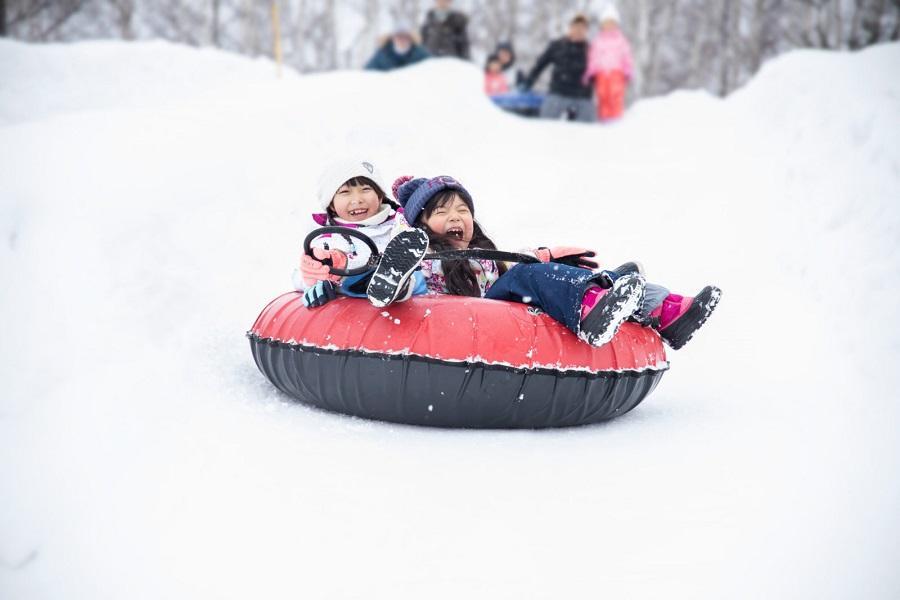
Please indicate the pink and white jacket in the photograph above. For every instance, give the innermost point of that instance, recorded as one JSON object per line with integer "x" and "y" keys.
{"x": 486, "y": 273}
{"x": 610, "y": 51}
{"x": 380, "y": 228}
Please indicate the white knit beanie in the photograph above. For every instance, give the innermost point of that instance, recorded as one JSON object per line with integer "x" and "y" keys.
{"x": 610, "y": 13}
{"x": 343, "y": 170}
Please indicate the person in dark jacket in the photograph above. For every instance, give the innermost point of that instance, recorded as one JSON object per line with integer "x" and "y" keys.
{"x": 399, "y": 50}
{"x": 568, "y": 93}
{"x": 444, "y": 32}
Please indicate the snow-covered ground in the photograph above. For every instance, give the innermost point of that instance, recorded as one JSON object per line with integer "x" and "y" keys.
{"x": 152, "y": 200}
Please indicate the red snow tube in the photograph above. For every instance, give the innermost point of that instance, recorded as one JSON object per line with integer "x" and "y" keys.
{"x": 449, "y": 361}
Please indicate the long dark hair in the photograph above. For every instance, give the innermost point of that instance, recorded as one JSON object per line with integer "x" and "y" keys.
{"x": 460, "y": 277}
{"x": 358, "y": 182}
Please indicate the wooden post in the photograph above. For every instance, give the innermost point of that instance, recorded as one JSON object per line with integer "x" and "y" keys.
{"x": 276, "y": 34}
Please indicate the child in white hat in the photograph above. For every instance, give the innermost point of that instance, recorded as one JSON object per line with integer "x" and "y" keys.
{"x": 609, "y": 65}
{"x": 352, "y": 194}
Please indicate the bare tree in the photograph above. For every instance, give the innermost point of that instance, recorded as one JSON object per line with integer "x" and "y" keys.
{"x": 712, "y": 44}
{"x": 124, "y": 10}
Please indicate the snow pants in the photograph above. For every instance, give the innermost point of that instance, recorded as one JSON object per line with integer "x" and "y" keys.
{"x": 555, "y": 106}
{"x": 610, "y": 87}
{"x": 554, "y": 288}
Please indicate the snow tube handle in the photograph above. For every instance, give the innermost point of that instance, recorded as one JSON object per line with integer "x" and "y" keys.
{"x": 349, "y": 232}
{"x": 483, "y": 253}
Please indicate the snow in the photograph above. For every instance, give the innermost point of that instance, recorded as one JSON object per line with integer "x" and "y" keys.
{"x": 153, "y": 199}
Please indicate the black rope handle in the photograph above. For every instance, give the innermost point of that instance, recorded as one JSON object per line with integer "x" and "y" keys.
{"x": 484, "y": 253}
{"x": 349, "y": 232}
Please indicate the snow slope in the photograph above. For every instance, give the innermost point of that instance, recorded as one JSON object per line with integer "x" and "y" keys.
{"x": 153, "y": 198}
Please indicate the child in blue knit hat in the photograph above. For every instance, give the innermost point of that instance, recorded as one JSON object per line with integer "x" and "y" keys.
{"x": 563, "y": 284}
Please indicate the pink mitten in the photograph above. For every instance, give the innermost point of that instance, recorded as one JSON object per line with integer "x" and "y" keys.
{"x": 568, "y": 255}
{"x": 313, "y": 270}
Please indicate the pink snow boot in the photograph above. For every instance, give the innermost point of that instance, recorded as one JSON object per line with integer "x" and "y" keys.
{"x": 679, "y": 317}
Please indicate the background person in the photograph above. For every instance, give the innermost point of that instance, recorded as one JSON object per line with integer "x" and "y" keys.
{"x": 569, "y": 92}
{"x": 399, "y": 50}
{"x": 444, "y": 31}
{"x": 609, "y": 65}
{"x": 507, "y": 57}
{"x": 494, "y": 80}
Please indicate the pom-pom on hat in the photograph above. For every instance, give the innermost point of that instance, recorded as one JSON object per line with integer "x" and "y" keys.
{"x": 414, "y": 194}
{"x": 344, "y": 170}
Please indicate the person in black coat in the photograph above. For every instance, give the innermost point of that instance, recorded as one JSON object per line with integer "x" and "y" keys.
{"x": 568, "y": 94}
{"x": 400, "y": 50}
{"x": 444, "y": 32}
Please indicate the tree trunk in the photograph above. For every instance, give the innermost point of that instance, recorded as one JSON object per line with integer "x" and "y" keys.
{"x": 214, "y": 34}
{"x": 725, "y": 46}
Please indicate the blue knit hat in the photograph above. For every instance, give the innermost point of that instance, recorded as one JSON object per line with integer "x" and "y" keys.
{"x": 414, "y": 194}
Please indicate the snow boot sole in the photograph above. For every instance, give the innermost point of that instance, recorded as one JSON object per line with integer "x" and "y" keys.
{"x": 619, "y": 303}
{"x": 681, "y": 331}
{"x": 398, "y": 261}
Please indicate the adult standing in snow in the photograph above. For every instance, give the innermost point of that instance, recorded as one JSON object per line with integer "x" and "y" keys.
{"x": 444, "y": 31}
{"x": 399, "y": 50}
{"x": 569, "y": 92}
{"x": 609, "y": 65}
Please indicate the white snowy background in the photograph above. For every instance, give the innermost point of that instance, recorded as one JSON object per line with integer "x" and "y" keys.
{"x": 153, "y": 198}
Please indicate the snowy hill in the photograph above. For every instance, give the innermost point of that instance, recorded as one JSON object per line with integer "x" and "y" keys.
{"x": 153, "y": 199}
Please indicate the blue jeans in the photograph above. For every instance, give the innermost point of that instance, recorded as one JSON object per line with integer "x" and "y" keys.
{"x": 554, "y": 288}
{"x": 351, "y": 286}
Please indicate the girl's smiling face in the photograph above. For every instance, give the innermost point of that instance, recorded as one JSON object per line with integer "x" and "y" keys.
{"x": 356, "y": 200}
{"x": 453, "y": 219}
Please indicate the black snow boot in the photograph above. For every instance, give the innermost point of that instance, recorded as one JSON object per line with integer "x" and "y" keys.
{"x": 399, "y": 260}
{"x": 681, "y": 317}
{"x": 611, "y": 309}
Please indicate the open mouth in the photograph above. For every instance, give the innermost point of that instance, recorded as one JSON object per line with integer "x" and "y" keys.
{"x": 358, "y": 212}
{"x": 454, "y": 232}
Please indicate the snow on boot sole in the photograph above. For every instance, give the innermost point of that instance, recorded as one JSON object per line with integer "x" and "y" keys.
{"x": 619, "y": 303}
{"x": 398, "y": 261}
{"x": 681, "y": 331}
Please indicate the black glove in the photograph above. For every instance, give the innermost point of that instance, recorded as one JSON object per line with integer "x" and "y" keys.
{"x": 319, "y": 294}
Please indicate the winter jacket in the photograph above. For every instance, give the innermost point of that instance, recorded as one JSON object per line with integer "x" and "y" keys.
{"x": 495, "y": 83}
{"x": 446, "y": 36}
{"x": 380, "y": 228}
{"x": 569, "y": 60}
{"x": 387, "y": 58}
{"x": 486, "y": 272}
{"x": 609, "y": 52}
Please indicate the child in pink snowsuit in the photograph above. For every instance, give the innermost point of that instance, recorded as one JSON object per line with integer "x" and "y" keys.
{"x": 609, "y": 64}
{"x": 494, "y": 80}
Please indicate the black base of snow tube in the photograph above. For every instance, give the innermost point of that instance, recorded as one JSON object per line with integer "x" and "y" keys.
{"x": 422, "y": 391}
